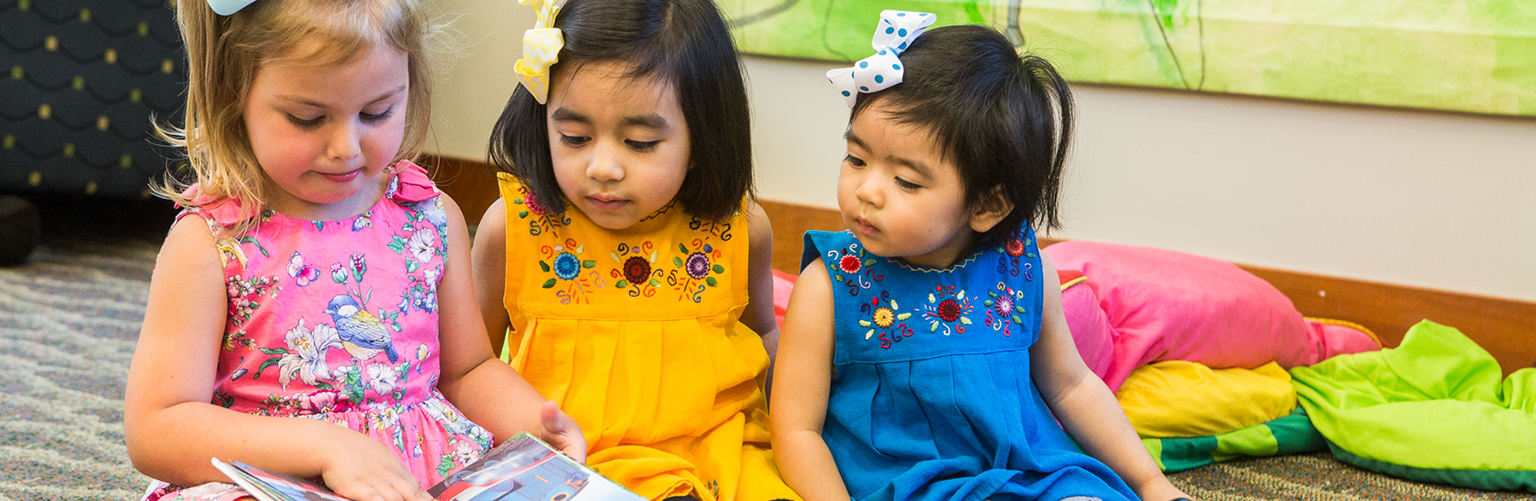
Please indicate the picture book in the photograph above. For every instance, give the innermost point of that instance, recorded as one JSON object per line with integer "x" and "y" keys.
{"x": 523, "y": 468}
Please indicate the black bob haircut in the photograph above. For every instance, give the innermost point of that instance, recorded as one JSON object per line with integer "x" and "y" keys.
{"x": 684, "y": 43}
{"x": 1004, "y": 120}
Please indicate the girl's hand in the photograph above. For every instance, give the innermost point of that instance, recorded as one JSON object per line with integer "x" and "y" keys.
{"x": 358, "y": 468}
{"x": 1161, "y": 488}
{"x": 561, "y": 432}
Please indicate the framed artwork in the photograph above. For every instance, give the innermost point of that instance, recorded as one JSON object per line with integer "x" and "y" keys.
{"x": 1476, "y": 56}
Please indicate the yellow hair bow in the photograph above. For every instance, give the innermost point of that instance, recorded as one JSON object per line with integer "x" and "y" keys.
{"x": 541, "y": 49}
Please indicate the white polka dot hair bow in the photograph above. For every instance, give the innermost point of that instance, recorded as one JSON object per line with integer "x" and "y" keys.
{"x": 228, "y": 7}
{"x": 896, "y": 31}
{"x": 541, "y": 48}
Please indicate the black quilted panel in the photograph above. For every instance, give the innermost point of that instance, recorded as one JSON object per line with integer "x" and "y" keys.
{"x": 79, "y": 81}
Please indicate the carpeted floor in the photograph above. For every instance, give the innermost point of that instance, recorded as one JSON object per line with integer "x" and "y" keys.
{"x": 69, "y": 320}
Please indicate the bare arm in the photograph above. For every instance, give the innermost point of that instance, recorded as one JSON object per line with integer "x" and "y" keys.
{"x": 489, "y": 392}
{"x": 489, "y": 258}
{"x": 759, "y": 313}
{"x": 804, "y": 379}
{"x": 1084, "y": 405}
{"x": 171, "y": 428}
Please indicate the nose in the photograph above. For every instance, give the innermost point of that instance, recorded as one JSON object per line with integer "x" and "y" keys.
{"x": 606, "y": 165}
{"x": 870, "y": 191}
{"x": 345, "y": 143}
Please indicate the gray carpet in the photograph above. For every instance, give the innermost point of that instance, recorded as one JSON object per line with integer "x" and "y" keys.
{"x": 68, "y": 322}
{"x": 69, "y": 319}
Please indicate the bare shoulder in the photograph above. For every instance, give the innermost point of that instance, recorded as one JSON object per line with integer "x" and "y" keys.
{"x": 450, "y": 206}
{"x": 814, "y": 284}
{"x": 189, "y": 246}
{"x": 491, "y": 232}
{"x": 759, "y": 229}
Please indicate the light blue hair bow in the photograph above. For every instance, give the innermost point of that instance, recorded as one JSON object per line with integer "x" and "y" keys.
{"x": 227, "y": 7}
{"x": 896, "y": 31}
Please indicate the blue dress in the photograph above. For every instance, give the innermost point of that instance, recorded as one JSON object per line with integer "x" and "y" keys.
{"x": 932, "y": 396}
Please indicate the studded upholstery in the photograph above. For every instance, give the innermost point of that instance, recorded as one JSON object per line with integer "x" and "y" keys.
{"x": 79, "y": 83}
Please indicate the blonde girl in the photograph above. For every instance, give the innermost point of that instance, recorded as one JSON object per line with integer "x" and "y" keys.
{"x": 311, "y": 312}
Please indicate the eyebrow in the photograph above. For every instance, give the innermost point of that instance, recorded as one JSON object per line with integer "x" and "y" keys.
{"x": 563, "y": 114}
{"x": 921, "y": 168}
{"x": 649, "y": 121}
{"x": 854, "y": 139}
{"x": 317, "y": 104}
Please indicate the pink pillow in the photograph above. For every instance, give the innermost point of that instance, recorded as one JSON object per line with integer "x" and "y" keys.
{"x": 1091, "y": 331}
{"x": 1155, "y": 305}
{"x": 783, "y": 283}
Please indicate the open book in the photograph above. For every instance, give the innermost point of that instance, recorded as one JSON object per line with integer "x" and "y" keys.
{"x": 521, "y": 469}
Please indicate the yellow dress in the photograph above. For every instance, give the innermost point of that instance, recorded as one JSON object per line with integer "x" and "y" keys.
{"x": 635, "y": 334}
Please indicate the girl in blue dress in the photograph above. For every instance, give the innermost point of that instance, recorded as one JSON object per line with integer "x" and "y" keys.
{"x": 925, "y": 355}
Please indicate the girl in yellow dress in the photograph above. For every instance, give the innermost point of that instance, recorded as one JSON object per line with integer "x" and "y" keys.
{"x": 626, "y": 254}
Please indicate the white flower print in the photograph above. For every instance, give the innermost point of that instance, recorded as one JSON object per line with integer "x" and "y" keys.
{"x": 479, "y": 435}
{"x": 382, "y": 378}
{"x": 385, "y": 418}
{"x": 465, "y": 452}
{"x": 423, "y": 244}
{"x": 453, "y": 422}
{"x": 306, "y": 354}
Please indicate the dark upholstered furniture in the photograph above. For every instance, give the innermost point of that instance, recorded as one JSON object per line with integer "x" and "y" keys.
{"x": 79, "y": 81}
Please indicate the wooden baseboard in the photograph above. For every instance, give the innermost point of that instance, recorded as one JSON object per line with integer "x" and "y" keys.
{"x": 1504, "y": 327}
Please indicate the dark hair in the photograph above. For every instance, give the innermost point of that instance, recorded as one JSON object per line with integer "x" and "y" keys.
{"x": 1003, "y": 119}
{"x": 681, "y": 42}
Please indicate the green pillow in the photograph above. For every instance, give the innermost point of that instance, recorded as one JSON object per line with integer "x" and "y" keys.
{"x": 1433, "y": 409}
{"x": 1290, "y": 434}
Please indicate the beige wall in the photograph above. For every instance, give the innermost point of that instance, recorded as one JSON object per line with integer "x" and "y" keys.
{"x": 1429, "y": 199}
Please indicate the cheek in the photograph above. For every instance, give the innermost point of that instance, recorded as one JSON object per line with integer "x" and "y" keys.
{"x": 384, "y": 142}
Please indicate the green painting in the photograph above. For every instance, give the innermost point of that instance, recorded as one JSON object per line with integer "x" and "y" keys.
{"x": 1474, "y": 56}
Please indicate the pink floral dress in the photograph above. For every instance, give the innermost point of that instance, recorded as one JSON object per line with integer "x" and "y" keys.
{"x": 337, "y": 320}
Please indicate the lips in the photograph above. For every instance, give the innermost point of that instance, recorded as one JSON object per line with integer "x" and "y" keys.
{"x": 342, "y": 177}
{"x": 866, "y": 228}
{"x": 606, "y": 203}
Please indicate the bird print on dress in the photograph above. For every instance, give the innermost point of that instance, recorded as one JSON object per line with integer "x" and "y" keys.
{"x": 361, "y": 333}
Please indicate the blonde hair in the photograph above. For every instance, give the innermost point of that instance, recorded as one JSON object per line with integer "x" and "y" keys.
{"x": 224, "y": 54}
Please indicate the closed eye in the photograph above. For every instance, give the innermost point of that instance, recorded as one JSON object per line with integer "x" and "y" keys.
{"x": 641, "y": 146}
{"x": 305, "y": 123}
{"x": 574, "y": 141}
{"x": 907, "y": 185}
{"x": 377, "y": 117}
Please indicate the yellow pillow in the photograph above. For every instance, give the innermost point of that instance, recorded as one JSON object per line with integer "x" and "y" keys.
{"x": 1188, "y": 399}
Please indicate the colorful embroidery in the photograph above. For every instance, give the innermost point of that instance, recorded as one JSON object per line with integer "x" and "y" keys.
{"x": 1008, "y": 259}
{"x": 720, "y": 230}
{"x": 1003, "y": 309}
{"x": 567, "y": 265}
{"x": 945, "y": 307}
{"x": 539, "y": 217}
{"x": 883, "y": 319}
{"x": 850, "y": 266}
{"x": 636, "y": 269}
{"x": 696, "y": 265}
